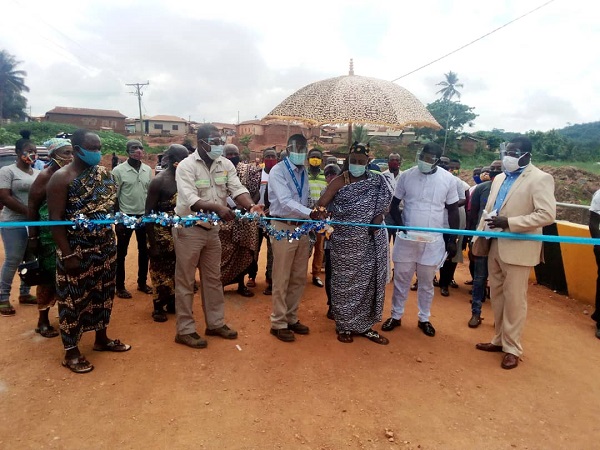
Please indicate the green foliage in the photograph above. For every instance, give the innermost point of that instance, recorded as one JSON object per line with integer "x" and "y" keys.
{"x": 455, "y": 114}
{"x": 246, "y": 139}
{"x": 360, "y": 133}
{"x": 585, "y": 138}
{"x": 12, "y": 85}
{"x": 449, "y": 85}
{"x": 42, "y": 131}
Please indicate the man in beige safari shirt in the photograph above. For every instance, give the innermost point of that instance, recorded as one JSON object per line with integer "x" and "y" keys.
{"x": 204, "y": 181}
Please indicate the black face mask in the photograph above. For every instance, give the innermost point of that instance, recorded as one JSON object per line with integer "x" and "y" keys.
{"x": 493, "y": 173}
{"x": 235, "y": 160}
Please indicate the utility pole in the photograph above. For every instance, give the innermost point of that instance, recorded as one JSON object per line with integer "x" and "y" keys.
{"x": 138, "y": 92}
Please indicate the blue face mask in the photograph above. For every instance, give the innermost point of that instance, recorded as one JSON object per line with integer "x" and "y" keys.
{"x": 215, "y": 151}
{"x": 357, "y": 170}
{"x": 90, "y": 157}
{"x": 476, "y": 179}
{"x": 297, "y": 158}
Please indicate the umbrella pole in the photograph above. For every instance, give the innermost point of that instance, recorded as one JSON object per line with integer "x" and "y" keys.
{"x": 349, "y": 134}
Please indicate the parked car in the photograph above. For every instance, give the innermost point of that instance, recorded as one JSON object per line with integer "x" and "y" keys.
{"x": 382, "y": 163}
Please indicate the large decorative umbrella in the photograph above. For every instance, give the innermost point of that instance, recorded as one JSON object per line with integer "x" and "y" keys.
{"x": 354, "y": 99}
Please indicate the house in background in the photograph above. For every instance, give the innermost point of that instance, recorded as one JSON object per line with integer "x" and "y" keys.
{"x": 161, "y": 125}
{"x": 469, "y": 144}
{"x": 91, "y": 119}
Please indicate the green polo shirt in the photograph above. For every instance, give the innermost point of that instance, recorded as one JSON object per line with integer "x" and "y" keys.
{"x": 132, "y": 187}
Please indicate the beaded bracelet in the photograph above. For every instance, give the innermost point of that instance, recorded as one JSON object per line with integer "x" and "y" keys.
{"x": 64, "y": 258}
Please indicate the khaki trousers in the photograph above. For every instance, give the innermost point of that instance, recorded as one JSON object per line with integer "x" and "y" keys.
{"x": 318, "y": 253}
{"x": 198, "y": 248}
{"x": 290, "y": 263}
{"x": 508, "y": 290}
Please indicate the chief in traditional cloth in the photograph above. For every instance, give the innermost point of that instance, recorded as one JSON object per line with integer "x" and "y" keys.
{"x": 86, "y": 256}
{"x": 239, "y": 238}
{"x": 40, "y": 242}
{"x": 162, "y": 198}
{"x": 359, "y": 255}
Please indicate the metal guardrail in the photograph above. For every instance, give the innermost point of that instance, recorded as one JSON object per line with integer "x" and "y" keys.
{"x": 584, "y": 212}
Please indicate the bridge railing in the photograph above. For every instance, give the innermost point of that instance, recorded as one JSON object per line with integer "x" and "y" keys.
{"x": 574, "y": 213}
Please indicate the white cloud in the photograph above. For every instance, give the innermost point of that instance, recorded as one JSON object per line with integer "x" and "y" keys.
{"x": 211, "y": 60}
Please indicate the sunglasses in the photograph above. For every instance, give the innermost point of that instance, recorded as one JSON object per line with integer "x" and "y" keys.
{"x": 215, "y": 140}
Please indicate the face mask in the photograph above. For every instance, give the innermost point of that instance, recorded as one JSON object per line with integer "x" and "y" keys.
{"x": 235, "y": 160}
{"x": 393, "y": 165}
{"x": 28, "y": 158}
{"x": 493, "y": 173}
{"x": 424, "y": 167}
{"x": 297, "y": 158}
{"x": 477, "y": 179}
{"x": 357, "y": 170}
{"x": 60, "y": 162}
{"x": 137, "y": 155}
{"x": 315, "y": 162}
{"x": 91, "y": 158}
{"x": 510, "y": 163}
{"x": 270, "y": 163}
{"x": 215, "y": 151}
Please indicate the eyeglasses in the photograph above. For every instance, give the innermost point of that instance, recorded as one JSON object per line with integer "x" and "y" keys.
{"x": 513, "y": 152}
{"x": 217, "y": 140}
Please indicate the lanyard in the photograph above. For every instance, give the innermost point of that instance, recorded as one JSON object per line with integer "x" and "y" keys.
{"x": 300, "y": 186}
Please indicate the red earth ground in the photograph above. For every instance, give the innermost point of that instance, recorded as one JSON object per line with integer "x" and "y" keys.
{"x": 316, "y": 393}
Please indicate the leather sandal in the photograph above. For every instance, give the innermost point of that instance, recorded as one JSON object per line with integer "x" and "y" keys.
{"x": 78, "y": 365}
{"x": 374, "y": 336}
{"x": 47, "y": 331}
{"x": 345, "y": 337}
{"x": 114, "y": 345}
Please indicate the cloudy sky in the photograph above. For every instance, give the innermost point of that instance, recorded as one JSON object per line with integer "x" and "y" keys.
{"x": 213, "y": 61}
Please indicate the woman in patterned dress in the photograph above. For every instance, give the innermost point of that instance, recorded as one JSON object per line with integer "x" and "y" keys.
{"x": 86, "y": 256}
{"x": 359, "y": 254}
{"x": 162, "y": 197}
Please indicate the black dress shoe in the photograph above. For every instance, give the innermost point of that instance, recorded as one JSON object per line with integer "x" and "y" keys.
{"x": 444, "y": 291}
{"x": 414, "y": 286}
{"x": 427, "y": 328}
{"x": 453, "y": 284}
{"x": 390, "y": 324}
{"x": 145, "y": 289}
{"x": 245, "y": 292}
{"x": 298, "y": 328}
{"x": 435, "y": 281}
{"x": 317, "y": 282}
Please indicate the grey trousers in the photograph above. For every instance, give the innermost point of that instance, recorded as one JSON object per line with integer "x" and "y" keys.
{"x": 198, "y": 248}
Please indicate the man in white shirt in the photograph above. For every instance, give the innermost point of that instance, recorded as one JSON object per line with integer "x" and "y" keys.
{"x": 427, "y": 192}
{"x": 595, "y": 233}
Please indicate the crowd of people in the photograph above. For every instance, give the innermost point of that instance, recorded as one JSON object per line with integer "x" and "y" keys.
{"x": 83, "y": 268}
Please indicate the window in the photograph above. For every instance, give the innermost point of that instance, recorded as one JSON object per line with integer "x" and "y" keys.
{"x": 175, "y": 127}
{"x": 158, "y": 126}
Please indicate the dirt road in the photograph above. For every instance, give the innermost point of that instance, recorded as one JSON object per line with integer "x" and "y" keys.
{"x": 316, "y": 393}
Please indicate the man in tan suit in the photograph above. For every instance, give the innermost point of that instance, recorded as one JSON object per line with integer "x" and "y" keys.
{"x": 521, "y": 201}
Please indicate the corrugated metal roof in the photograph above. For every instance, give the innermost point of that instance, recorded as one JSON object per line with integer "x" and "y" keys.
{"x": 164, "y": 118}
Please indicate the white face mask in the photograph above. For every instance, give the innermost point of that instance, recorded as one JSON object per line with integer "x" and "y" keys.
{"x": 297, "y": 158}
{"x": 424, "y": 167}
{"x": 215, "y": 151}
{"x": 510, "y": 163}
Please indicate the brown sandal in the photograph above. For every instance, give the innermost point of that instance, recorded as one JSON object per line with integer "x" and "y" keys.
{"x": 345, "y": 337}
{"x": 374, "y": 336}
{"x": 78, "y": 364}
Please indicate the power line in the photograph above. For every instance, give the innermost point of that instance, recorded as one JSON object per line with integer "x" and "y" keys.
{"x": 472, "y": 42}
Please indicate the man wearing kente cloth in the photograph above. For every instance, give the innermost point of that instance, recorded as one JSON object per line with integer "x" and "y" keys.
{"x": 86, "y": 256}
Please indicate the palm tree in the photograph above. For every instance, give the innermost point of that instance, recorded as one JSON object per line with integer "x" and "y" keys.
{"x": 12, "y": 81}
{"x": 448, "y": 91}
{"x": 360, "y": 133}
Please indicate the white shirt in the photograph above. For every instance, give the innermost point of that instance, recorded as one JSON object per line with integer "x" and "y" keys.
{"x": 425, "y": 199}
{"x": 391, "y": 179}
{"x": 284, "y": 197}
{"x": 595, "y": 206}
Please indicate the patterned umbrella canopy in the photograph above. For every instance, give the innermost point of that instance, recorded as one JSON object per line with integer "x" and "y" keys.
{"x": 354, "y": 99}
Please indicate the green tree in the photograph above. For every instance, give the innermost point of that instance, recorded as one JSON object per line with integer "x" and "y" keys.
{"x": 449, "y": 90}
{"x": 456, "y": 115}
{"x": 360, "y": 133}
{"x": 12, "y": 84}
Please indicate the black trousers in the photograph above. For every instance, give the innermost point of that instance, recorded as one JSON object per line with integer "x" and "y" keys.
{"x": 123, "y": 237}
{"x": 447, "y": 273}
{"x": 328, "y": 275}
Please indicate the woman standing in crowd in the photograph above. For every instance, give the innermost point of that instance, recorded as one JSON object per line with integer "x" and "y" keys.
{"x": 15, "y": 182}
{"x": 359, "y": 276}
{"x": 41, "y": 243}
